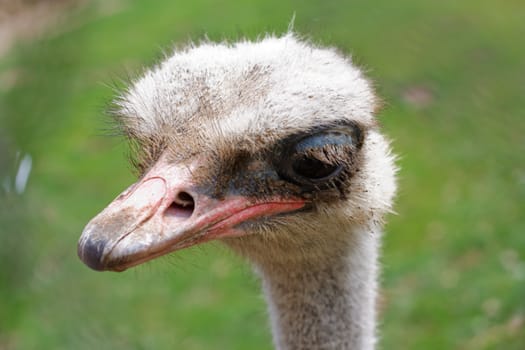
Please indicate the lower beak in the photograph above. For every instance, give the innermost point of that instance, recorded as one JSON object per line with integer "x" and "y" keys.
{"x": 162, "y": 213}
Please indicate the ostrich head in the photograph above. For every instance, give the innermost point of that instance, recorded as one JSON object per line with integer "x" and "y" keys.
{"x": 270, "y": 147}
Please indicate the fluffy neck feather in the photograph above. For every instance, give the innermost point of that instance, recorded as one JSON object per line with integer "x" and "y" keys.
{"x": 328, "y": 301}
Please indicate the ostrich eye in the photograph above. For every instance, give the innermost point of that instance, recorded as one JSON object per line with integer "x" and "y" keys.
{"x": 318, "y": 158}
{"x": 314, "y": 169}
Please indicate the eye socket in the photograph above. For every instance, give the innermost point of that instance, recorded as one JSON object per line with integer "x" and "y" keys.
{"x": 314, "y": 169}
{"x": 318, "y": 158}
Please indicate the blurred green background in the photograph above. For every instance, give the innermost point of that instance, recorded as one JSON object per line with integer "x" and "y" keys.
{"x": 452, "y": 74}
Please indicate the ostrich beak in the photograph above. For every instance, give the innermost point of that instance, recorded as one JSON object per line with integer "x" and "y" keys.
{"x": 163, "y": 212}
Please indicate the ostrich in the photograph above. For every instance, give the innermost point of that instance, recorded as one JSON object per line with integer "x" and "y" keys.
{"x": 272, "y": 148}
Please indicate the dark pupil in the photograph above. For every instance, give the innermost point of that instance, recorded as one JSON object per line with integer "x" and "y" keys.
{"x": 313, "y": 168}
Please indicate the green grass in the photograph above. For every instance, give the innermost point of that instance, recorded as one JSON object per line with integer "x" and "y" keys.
{"x": 454, "y": 255}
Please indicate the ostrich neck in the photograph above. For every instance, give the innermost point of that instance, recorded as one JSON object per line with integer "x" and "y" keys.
{"x": 326, "y": 301}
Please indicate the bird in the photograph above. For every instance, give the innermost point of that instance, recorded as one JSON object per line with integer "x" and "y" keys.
{"x": 271, "y": 146}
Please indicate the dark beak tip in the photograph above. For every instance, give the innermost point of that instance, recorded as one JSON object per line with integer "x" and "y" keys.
{"x": 90, "y": 253}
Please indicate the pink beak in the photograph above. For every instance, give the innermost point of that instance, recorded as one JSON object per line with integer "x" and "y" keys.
{"x": 164, "y": 212}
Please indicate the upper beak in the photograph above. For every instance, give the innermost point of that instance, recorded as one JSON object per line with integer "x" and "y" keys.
{"x": 164, "y": 212}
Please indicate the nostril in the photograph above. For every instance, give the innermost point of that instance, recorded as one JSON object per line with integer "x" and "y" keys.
{"x": 185, "y": 199}
{"x": 182, "y": 206}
